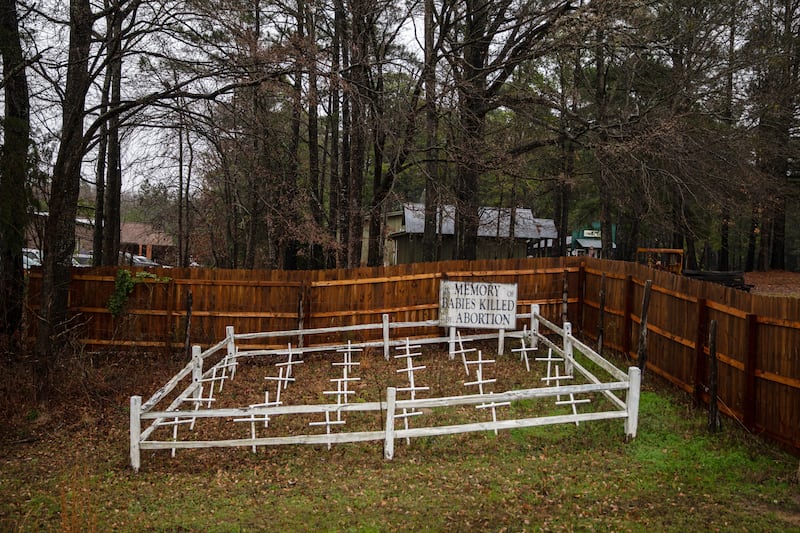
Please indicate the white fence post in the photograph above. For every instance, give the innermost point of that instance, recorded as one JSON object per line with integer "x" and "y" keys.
{"x": 385, "y": 319}
{"x": 535, "y": 311}
{"x": 388, "y": 444}
{"x": 231, "y": 349}
{"x": 568, "y": 355}
{"x": 197, "y": 371}
{"x": 501, "y": 342}
{"x": 452, "y": 345}
{"x": 136, "y": 431}
{"x": 632, "y": 402}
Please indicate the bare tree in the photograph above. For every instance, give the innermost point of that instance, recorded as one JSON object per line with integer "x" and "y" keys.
{"x": 59, "y": 240}
{"x": 13, "y": 170}
{"x": 487, "y": 42}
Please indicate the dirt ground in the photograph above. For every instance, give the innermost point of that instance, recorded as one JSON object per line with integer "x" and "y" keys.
{"x": 774, "y": 283}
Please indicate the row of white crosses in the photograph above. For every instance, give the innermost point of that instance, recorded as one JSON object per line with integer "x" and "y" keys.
{"x": 282, "y": 380}
{"x": 554, "y": 377}
{"x": 342, "y": 391}
{"x": 480, "y": 380}
{"x": 523, "y": 350}
{"x": 408, "y": 352}
{"x": 223, "y": 370}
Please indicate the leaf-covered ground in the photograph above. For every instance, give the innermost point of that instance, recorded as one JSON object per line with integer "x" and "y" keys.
{"x": 774, "y": 283}
{"x": 65, "y": 466}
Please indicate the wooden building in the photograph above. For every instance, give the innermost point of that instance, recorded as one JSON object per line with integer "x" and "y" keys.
{"x": 503, "y": 233}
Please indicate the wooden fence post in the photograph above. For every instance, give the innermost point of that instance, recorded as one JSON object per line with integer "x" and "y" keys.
{"x": 388, "y": 444}
{"x": 301, "y": 314}
{"x": 713, "y": 407}
{"x": 581, "y": 293}
{"x": 601, "y": 320}
{"x": 452, "y": 344}
{"x": 701, "y": 363}
{"x": 188, "y": 330}
{"x": 750, "y": 360}
{"x": 136, "y": 431}
{"x": 632, "y": 402}
{"x": 641, "y": 353}
{"x": 627, "y": 318}
{"x": 171, "y": 322}
{"x": 535, "y": 310}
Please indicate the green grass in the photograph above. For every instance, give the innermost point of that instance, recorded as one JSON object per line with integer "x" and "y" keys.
{"x": 673, "y": 477}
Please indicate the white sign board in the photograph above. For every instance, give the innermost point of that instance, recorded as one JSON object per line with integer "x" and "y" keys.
{"x": 470, "y": 304}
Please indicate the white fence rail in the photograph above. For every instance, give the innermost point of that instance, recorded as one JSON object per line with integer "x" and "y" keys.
{"x": 195, "y": 400}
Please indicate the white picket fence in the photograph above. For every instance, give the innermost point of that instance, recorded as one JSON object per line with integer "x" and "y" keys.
{"x": 196, "y": 400}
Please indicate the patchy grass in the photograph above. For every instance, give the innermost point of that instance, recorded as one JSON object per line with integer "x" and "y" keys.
{"x": 72, "y": 474}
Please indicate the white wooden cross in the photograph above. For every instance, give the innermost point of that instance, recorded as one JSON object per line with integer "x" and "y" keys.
{"x": 480, "y": 382}
{"x": 227, "y": 366}
{"x": 343, "y": 391}
{"x": 461, "y": 350}
{"x": 289, "y": 364}
{"x": 327, "y": 423}
{"x": 408, "y": 352}
{"x": 550, "y": 360}
{"x": 282, "y": 381}
{"x": 572, "y": 401}
{"x": 262, "y": 418}
{"x": 177, "y": 421}
{"x": 524, "y": 350}
{"x": 493, "y": 406}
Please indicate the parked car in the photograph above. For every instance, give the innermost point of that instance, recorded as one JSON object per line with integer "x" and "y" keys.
{"x": 82, "y": 260}
{"x": 137, "y": 260}
{"x": 31, "y": 258}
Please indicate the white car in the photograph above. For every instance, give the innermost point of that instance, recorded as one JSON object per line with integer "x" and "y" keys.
{"x": 31, "y": 258}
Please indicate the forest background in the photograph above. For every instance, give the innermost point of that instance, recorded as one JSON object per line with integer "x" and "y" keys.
{"x": 271, "y": 134}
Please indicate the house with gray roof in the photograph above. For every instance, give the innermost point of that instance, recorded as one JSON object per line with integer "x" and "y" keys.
{"x": 502, "y": 233}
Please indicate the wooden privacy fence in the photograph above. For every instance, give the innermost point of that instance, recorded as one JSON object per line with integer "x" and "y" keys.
{"x": 195, "y": 400}
{"x": 758, "y": 344}
{"x": 758, "y": 340}
{"x": 156, "y": 313}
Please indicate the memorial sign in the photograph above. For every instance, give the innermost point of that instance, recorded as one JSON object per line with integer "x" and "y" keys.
{"x": 470, "y": 304}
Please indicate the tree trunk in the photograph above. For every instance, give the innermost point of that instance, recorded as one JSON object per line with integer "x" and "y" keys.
{"x": 100, "y": 173}
{"x": 334, "y": 126}
{"x": 430, "y": 248}
{"x": 113, "y": 209}
{"x": 316, "y": 188}
{"x": 375, "y": 248}
{"x": 13, "y": 201}
{"x": 562, "y": 191}
{"x": 472, "y": 123}
{"x": 59, "y": 240}
{"x": 359, "y": 100}
{"x": 750, "y": 260}
{"x": 724, "y": 262}
{"x": 380, "y": 188}
{"x": 343, "y": 220}
{"x": 778, "y": 253}
{"x": 606, "y": 228}
{"x": 724, "y": 237}
{"x": 180, "y": 258}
